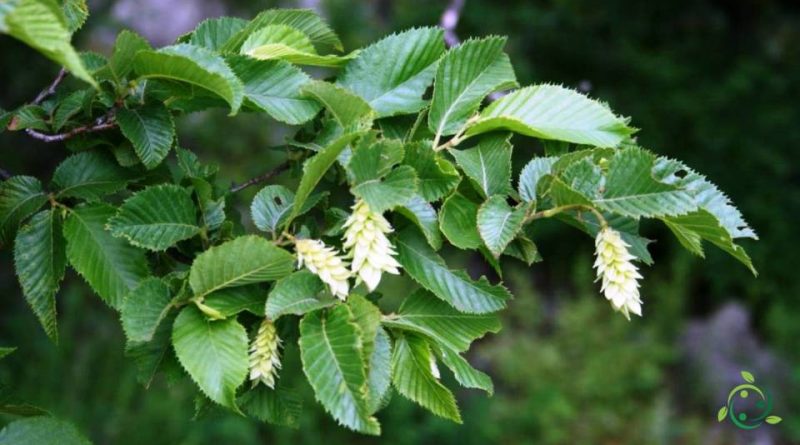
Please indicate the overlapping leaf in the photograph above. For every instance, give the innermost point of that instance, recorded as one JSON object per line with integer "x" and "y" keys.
{"x": 488, "y": 165}
{"x": 436, "y": 176}
{"x": 298, "y": 293}
{"x": 458, "y": 220}
{"x": 304, "y": 20}
{"x": 499, "y": 223}
{"x": 150, "y": 130}
{"x": 20, "y": 197}
{"x": 144, "y": 308}
{"x": 284, "y": 42}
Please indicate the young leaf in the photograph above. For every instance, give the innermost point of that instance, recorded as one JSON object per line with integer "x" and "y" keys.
{"x": 396, "y": 87}
{"x": 722, "y": 413}
{"x": 215, "y": 33}
{"x": 194, "y": 65}
{"x": 454, "y": 287}
{"x": 458, "y": 220}
{"x": 42, "y": 430}
{"x": 40, "y": 261}
{"x": 331, "y": 350}
{"x": 72, "y": 105}
{"x": 244, "y": 260}
{"x": 156, "y": 218}
{"x": 214, "y": 353}
{"x": 298, "y": 293}
{"x": 553, "y": 112}
{"x": 314, "y": 169}
{"x": 348, "y": 109}
{"x": 144, "y": 308}
{"x": 464, "y": 373}
{"x": 425, "y": 314}
{"x": 498, "y": 223}
{"x": 436, "y": 176}
{"x": 304, "y": 20}
{"x": 773, "y": 420}
{"x": 488, "y": 164}
{"x": 283, "y": 42}
{"x": 75, "y": 13}
{"x": 423, "y": 215}
{"x": 631, "y": 189}
{"x": 395, "y": 189}
{"x": 748, "y": 377}
{"x": 467, "y": 74}
{"x": 274, "y": 86}
{"x": 271, "y": 206}
{"x": 41, "y": 25}
{"x": 20, "y": 197}
{"x": 530, "y": 176}
{"x": 150, "y": 129}
{"x": 412, "y": 376}
{"x": 125, "y": 48}
{"x": 111, "y": 266}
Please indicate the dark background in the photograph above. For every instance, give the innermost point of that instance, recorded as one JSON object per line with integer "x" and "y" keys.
{"x": 713, "y": 83}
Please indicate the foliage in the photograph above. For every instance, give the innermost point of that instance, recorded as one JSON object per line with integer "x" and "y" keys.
{"x": 156, "y": 238}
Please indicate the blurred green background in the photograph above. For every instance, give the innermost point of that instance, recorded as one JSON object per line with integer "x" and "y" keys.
{"x": 714, "y": 83}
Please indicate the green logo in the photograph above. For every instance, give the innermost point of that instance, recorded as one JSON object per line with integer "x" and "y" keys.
{"x": 745, "y": 396}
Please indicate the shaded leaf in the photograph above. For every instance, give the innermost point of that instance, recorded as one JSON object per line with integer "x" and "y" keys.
{"x": 20, "y": 197}
{"x": 488, "y": 165}
{"x": 458, "y": 220}
{"x": 298, "y": 293}
{"x": 499, "y": 223}
{"x": 151, "y": 131}
{"x": 145, "y": 306}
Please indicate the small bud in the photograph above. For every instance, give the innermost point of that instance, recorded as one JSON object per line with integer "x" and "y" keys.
{"x": 326, "y": 263}
{"x": 265, "y": 359}
{"x": 619, "y": 275}
{"x": 366, "y": 242}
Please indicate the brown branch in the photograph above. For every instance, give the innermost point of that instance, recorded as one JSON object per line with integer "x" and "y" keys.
{"x": 100, "y": 126}
{"x": 265, "y": 177}
{"x": 51, "y": 89}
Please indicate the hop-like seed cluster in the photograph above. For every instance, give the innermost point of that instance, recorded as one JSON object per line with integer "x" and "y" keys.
{"x": 366, "y": 243}
{"x": 618, "y": 273}
{"x": 265, "y": 359}
{"x": 326, "y": 263}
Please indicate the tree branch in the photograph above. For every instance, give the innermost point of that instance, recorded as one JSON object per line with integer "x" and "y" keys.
{"x": 100, "y": 126}
{"x": 265, "y": 177}
{"x": 51, "y": 89}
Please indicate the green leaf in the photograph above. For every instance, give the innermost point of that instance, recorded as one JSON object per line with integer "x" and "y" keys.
{"x": 488, "y": 165}
{"x": 111, "y": 266}
{"x": 499, "y": 223}
{"x": 458, "y": 220}
{"x": 276, "y": 406}
{"x": 191, "y": 166}
{"x": 380, "y": 370}
{"x": 304, "y": 20}
{"x": 290, "y": 44}
{"x": 75, "y": 13}
{"x": 701, "y": 225}
{"x": 40, "y": 261}
{"x": 20, "y": 197}
{"x": 331, "y": 351}
{"x": 156, "y": 218}
{"x": 245, "y": 260}
{"x": 71, "y": 105}
{"x": 626, "y": 226}
{"x": 423, "y": 215}
{"x": 465, "y": 76}
{"x": 233, "y": 300}
{"x": 722, "y": 413}
{"x": 396, "y": 87}
{"x": 41, "y": 430}
{"x": 554, "y": 112}
{"x": 631, "y": 189}
{"x": 436, "y": 176}
{"x": 748, "y": 377}
{"x": 150, "y": 356}
{"x": 348, "y": 109}
{"x": 274, "y": 86}
{"x": 214, "y": 353}
{"x": 271, "y": 206}
{"x": 523, "y": 249}
{"x": 372, "y": 159}
{"x": 531, "y": 174}
{"x": 150, "y": 129}
{"x": 412, "y": 376}
{"x": 194, "y": 65}
{"x": 773, "y": 420}
{"x": 464, "y": 373}
{"x": 296, "y": 294}
{"x": 215, "y": 33}
{"x": 41, "y": 25}
{"x": 395, "y": 189}
{"x": 144, "y": 308}
{"x": 126, "y": 47}
{"x": 315, "y": 168}
{"x": 89, "y": 175}
{"x": 454, "y": 287}
{"x": 425, "y": 314}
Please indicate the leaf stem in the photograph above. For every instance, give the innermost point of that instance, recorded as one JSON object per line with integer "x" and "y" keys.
{"x": 265, "y": 177}
{"x": 549, "y": 213}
